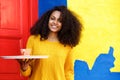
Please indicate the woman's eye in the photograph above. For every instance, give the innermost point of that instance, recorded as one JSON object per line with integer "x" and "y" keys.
{"x": 52, "y": 18}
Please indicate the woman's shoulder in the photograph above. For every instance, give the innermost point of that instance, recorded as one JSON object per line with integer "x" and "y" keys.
{"x": 32, "y": 37}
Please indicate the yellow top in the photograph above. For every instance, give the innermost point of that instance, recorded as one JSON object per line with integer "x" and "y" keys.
{"x": 59, "y": 64}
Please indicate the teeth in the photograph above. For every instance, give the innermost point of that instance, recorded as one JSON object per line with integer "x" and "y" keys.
{"x": 54, "y": 26}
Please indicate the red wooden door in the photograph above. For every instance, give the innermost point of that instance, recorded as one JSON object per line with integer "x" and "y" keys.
{"x": 16, "y": 17}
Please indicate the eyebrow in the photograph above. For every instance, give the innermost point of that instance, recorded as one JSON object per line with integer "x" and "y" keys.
{"x": 55, "y": 17}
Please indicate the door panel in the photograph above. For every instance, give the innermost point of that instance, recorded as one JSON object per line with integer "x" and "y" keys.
{"x": 11, "y": 36}
{"x": 10, "y": 18}
{"x": 16, "y": 18}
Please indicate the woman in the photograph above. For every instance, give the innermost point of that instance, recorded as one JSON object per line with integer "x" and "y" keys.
{"x": 54, "y": 34}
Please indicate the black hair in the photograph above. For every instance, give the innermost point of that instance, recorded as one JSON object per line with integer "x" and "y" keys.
{"x": 70, "y": 32}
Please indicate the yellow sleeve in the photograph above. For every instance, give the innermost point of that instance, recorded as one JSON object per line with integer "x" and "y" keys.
{"x": 29, "y": 46}
{"x": 69, "y": 67}
{"x": 27, "y": 72}
{"x": 30, "y": 42}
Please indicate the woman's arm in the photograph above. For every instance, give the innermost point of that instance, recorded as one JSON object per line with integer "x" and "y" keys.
{"x": 26, "y": 64}
{"x": 25, "y": 67}
{"x": 69, "y": 67}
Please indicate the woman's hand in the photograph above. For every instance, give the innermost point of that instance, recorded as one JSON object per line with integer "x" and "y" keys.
{"x": 24, "y": 63}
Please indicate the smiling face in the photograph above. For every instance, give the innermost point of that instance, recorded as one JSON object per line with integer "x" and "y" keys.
{"x": 55, "y": 21}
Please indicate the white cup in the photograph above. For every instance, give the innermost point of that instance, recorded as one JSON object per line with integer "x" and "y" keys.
{"x": 25, "y": 51}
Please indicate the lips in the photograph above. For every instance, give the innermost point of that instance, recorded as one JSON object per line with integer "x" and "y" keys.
{"x": 54, "y": 27}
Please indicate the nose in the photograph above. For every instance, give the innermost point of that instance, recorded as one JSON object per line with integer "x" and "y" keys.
{"x": 55, "y": 22}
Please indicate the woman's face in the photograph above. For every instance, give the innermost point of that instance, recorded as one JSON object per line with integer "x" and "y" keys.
{"x": 55, "y": 21}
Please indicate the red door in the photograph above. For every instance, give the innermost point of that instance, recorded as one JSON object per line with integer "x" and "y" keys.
{"x": 16, "y": 17}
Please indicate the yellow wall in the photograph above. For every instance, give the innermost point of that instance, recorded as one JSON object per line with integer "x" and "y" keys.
{"x": 101, "y": 21}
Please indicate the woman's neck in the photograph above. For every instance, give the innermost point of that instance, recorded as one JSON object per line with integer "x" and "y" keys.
{"x": 52, "y": 37}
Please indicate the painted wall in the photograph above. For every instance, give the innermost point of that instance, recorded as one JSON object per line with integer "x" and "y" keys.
{"x": 101, "y": 29}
